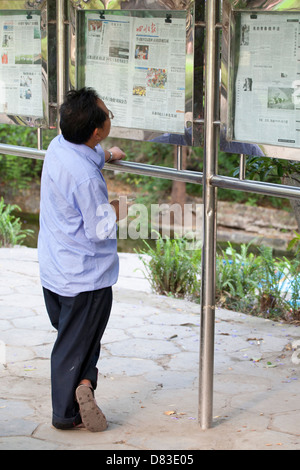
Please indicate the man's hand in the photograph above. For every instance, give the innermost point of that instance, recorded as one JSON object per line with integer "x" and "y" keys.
{"x": 117, "y": 154}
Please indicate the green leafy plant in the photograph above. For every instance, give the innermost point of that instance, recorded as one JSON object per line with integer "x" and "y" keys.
{"x": 295, "y": 243}
{"x": 11, "y": 232}
{"x": 171, "y": 268}
{"x": 248, "y": 282}
{"x": 257, "y": 284}
{"x": 266, "y": 169}
{"x": 236, "y": 278}
{"x": 291, "y": 276}
{"x": 271, "y": 295}
{"x": 17, "y": 172}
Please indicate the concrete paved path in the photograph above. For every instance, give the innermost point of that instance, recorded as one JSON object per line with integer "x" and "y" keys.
{"x": 148, "y": 384}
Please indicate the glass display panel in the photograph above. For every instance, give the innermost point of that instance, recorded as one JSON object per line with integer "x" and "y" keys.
{"x": 141, "y": 64}
{"x": 267, "y": 79}
{"x": 260, "y": 73}
{"x": 23, "y": 66}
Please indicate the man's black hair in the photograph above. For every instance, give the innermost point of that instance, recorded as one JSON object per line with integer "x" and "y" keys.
{"x": 80, "y": 115}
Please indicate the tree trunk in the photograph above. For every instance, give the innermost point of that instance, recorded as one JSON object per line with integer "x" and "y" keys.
{"x": 293, "y": 180}
{"x": 178, "y": 194}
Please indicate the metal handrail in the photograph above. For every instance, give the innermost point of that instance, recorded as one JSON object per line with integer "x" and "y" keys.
{"x": 188, "y": 176}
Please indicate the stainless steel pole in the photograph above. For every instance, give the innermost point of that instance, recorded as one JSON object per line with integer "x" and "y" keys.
{"x": 242, "y": 174}
{"x": 179, "y": 157}
{"x": 207, "y": 328}
{"x": 40, "y": 138}
{"x": 60, "y": 37}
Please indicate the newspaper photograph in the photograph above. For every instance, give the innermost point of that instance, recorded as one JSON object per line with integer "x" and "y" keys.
{"x": 267, "y": 85}
{"x": 21, "y": 66}
{"x": 137, "y": 65}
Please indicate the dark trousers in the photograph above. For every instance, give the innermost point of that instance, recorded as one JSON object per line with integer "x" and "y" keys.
{"x": 80, "y": 322}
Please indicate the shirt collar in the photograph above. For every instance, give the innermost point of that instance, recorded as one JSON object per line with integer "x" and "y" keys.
{"x": 83, "y": 149}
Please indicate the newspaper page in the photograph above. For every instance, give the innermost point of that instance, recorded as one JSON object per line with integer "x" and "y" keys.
{"x": 21, "y": 66}
{"x": 108, "y": 61}
{"x": 137, "y": 66}
{"x": 267, "y": 88}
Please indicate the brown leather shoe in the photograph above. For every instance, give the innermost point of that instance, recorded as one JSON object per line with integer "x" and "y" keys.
{"x": 91, "y": 415}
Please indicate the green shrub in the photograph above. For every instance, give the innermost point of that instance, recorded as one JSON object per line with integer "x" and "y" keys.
{"x": 172, "y": 269}
{"x": 271, "y": 296}
{"x": 256, "y": 284}
{"x": 236, "y": 278}
{"x": 291, "y": 271}
{"x": 295, "y": 244}
{"x": 245, "y": 282}
{"x": 11, "y": 232}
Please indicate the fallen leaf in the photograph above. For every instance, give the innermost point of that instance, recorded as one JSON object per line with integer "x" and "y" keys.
{"x": 171, "y": 412}
{"x": 254, "y": 359}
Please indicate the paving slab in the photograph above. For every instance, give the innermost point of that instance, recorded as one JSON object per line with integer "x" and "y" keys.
{"x": 148, "y": 372}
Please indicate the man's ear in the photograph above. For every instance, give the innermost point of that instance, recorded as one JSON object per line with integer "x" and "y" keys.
{"x": 95, "y": 133}
{"x": 98, "y": 134}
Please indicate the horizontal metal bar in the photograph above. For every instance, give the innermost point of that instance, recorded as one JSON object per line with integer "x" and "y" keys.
{"x": 132, "y": 167}
{"x": 269, "y": 189}
{"x": 202, "y": 24}
{"x": 201, "y": 121}
{"x": 26, "y": 152}
{"x": 156, "y": 171}
{"x": 187, "y": 176}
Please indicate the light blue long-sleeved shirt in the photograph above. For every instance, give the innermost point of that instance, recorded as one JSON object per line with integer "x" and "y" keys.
{"x": 77, "y": 245}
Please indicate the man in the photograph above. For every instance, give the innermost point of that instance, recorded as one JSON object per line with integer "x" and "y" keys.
{"x": 78, "y": 258}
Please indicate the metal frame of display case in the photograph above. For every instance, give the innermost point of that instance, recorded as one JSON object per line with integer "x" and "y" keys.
{"x": 77, "y": 62}
{"x": 232, "y": 9}
{"x": 30, "y": 7}
{"x": 208, "y": 22}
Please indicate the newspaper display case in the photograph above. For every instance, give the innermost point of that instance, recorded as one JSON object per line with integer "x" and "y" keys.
{"x": 140, "y": 61}
{"x": 260, "y": 95}
{"x": 24, "y": 97}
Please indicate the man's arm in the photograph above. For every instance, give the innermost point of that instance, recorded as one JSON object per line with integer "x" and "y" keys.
{"x": 112, "y": 154}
